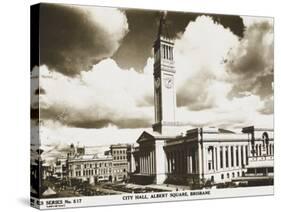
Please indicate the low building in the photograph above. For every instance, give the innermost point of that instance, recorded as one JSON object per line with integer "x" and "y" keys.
{"x": 90, "y": 168}
{"x": 111, "y": 166}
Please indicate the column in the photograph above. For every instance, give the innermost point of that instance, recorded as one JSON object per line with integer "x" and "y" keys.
{"x": 173, "y": 161}
{"x": 150, "y": 163}
{"x": 184, "y": 161}
{"x": 190, "y": 163}
{"x": 187, "y": 162}
{"x": 234, "y": 156}
{"x": 141, "y": 163}
{"x": 147, "y": 162}
{"x": 199, "y": 160}
{"x": 244, "y": 155}
{"x": 213, "y": 158}
{"x": 205, "y": 160}
{"x": 229, "y": 157}
{"x": 180, "y": 162}
{"x": 218, "y": 158}
{"x": 223, "y": 157}
{"x": 170, "y": 161}
{"x": 153, "y": 161}
{"x": 144, "y": 162}
{"x": 239, "y": 156}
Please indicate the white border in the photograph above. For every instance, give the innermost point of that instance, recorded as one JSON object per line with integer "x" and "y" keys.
{"x": 106, "y": 200}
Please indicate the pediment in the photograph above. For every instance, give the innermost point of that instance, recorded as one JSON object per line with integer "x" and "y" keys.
{"x": 145, "y": 137}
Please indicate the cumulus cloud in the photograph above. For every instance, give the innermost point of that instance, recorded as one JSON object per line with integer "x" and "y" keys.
{"x": 205, "y": 82}
{"x": 250, "y": 63}
{"x": 104, "y": 96}
{"x": 74, "y": 38}
{"x": 199, "y": 53}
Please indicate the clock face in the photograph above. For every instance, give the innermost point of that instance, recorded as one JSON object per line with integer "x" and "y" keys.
{"x": 168, "y": 82}
{"x": 157, "y": 82}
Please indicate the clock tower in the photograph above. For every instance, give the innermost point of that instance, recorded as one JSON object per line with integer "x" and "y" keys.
{"x": 164, "y": 80}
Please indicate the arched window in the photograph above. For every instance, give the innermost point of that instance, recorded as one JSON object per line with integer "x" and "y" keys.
{"x": 260, "y": 149}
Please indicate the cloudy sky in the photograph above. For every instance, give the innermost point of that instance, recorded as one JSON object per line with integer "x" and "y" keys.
{"x": 96, "y": 72}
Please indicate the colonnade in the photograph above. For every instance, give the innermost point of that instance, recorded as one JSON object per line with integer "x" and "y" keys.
{"x": 224, "y": 157}
{"x": 147, "y": 162}
{"x": 181, "y": 160}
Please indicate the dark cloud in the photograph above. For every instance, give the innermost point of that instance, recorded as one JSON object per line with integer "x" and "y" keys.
{"x": 250, "y": 65}
{"x": 89, "y": 119}
{"x": 143, "y": 25}
{"x": 234, "y": 23}
{"x": 74, "y": 38}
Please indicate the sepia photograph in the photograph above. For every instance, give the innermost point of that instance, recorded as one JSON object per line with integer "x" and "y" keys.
{"x": 134, "y": 102}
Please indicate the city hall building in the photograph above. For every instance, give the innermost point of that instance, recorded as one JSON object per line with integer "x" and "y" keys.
{"x": 172, "y": 153}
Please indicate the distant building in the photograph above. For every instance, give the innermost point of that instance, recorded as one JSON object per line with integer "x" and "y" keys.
{"x": 90, "y": 168}
{"x": 111, "y": 166}
{"x": 119, "y": 162}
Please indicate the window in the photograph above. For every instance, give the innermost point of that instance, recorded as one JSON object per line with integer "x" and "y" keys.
{"x": 233, "y": 174}
{"x": 222, "y": 176}
{"x": 238, "y": 174}
{"x": 227, "y": 175}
